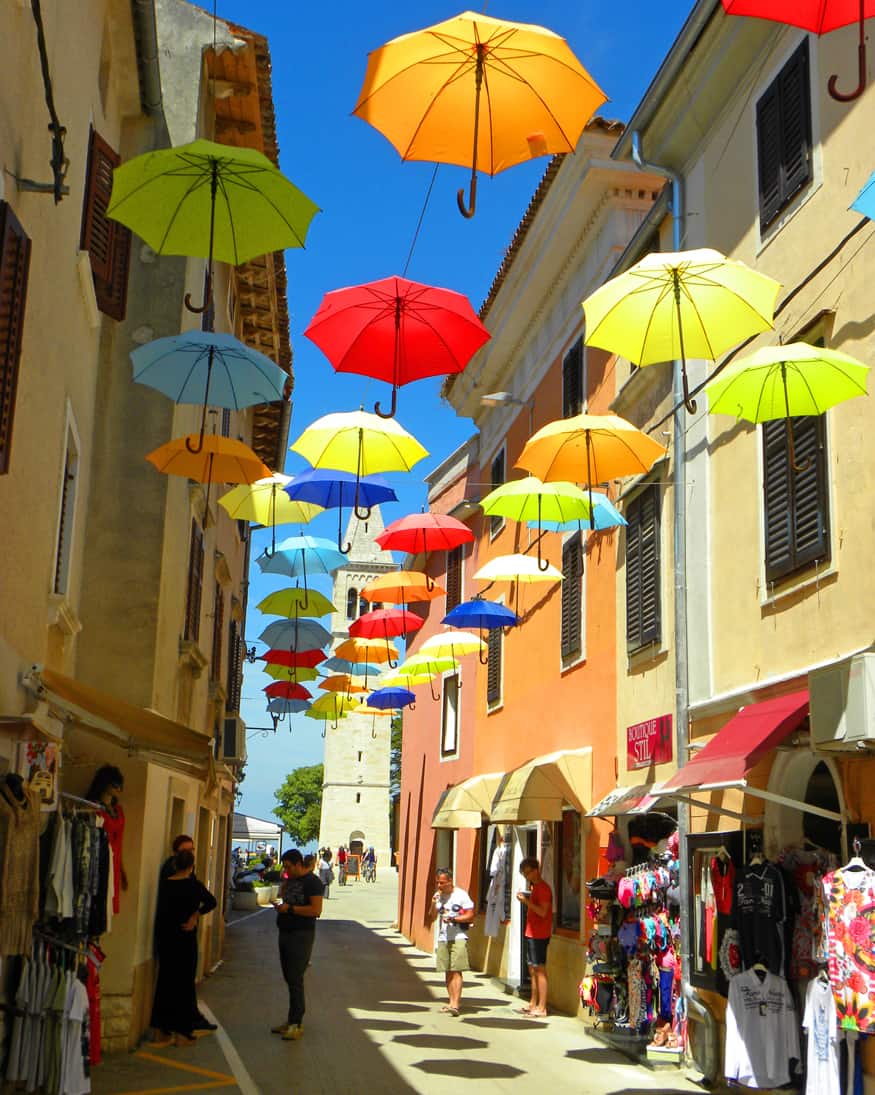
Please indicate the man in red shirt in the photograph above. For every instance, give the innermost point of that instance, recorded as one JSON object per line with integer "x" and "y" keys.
{"x": 538, "y": 900}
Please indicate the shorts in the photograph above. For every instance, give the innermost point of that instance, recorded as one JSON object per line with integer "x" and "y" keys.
{"x": 536, "y": 951}
{"x": 452, "y": 957}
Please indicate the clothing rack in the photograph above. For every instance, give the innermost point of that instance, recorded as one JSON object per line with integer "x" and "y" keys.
{"x": 47, "y": 937}
{"x": 94, "y": 806}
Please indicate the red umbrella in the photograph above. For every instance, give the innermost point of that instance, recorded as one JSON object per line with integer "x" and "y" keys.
{"x": 397, "y": 330}
{"x": 306, "y": 658}
{"x": 285, "y": 690}
{"x": 818, "y": 16}
{"x": 385, "y": 623}
{"x": 421, "y": 532}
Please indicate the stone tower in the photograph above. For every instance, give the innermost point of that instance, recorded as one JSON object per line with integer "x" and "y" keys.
{"x": 355, "y": 790}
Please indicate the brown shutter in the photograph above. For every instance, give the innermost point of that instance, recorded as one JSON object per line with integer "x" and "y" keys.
{"x": 218, "y": 632}
{"x": 112, "y": 295}
{"x": 572, "y": 570}
{"x": 642, "y": 570}
{"x": 454, "y": 577}
{"x": 783, "y": 121}
{"x": 107, "y": 242}
{"x": 795, "y": 502}
{"x": 235, "y": 667}
{"x": 493, "y": 669}
{"x": 769, "y": 155}
{"x": 496, "y": 478}
{"x": 14, "y": 266}
{"x": 195, "y": 582}
{"x": 572, "y": 381}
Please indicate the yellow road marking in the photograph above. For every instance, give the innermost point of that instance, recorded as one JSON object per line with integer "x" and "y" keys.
{"x": 183, "y": 1067}
{"x": 211, "y": 1086}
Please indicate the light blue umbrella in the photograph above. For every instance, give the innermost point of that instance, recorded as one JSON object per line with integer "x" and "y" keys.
{"x": 287, "y": 707}
{"x": 358, "y": 669}
{"x": 295, "y": 634}
{"x": 605, "y": 515}
{"x": 212, "y": 369}
{"x": 299, "y": 556}
{"x": 865, "y": 201}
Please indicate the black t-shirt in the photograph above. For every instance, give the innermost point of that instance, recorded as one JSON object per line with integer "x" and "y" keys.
{"x": 760, "y": 911}
{"x": 299, "y": 891}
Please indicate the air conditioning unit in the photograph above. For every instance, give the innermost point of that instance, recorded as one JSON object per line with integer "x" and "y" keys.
{"x": 234, "y": 739}
{"x": 843, "y": 703}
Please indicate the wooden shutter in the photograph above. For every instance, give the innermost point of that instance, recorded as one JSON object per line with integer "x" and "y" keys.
{"x": 783, "y": 120}
{"x": 642, "y": 570}
{"x": 572, "y": 381}
{"x": 64, "y": 526}
{"x": 195, "y": 582}
{"x": 572, "y": 572}
{"x": 112, "y": 295}
{"x": 14, "y": 266}
{"x": 493, "y": 669}
{"x": 107, "y": 242}
{"x": 235, "y": 667}
{"x": 496, "y": 478}
{"x": 454, "y": 577}
{"x": 795, "y": 502}
{"x": 218, "y": 631}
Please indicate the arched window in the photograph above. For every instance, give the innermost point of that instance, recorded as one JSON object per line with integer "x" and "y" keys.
{"x": 352, "y": 597}
{"x": 363, "y": 606}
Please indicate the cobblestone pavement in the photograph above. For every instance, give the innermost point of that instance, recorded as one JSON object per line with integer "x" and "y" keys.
{"x": 373, "y": 1024}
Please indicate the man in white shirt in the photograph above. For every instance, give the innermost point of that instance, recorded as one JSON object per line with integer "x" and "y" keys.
{"x": 454, "y": 910}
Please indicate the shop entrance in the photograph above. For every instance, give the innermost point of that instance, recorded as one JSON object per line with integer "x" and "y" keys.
{"x": 528, "y": 846}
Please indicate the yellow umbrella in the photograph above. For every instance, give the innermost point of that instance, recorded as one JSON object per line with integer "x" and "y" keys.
{"x": 266, "y": 503}
{"x": 295, "y": 602}
{"x": 333, "y": 705}
{"x": 363, "y": 709}
{"x": 293, "y": 673}
{"x": 359, "y": 443}
{"x": 453, "y": 644}
{"x": 672, "y": 305}
{"x": 517, "y": 568}
{"x": 480, "y": 91}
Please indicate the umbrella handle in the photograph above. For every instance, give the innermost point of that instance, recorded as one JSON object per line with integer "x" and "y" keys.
{"x": 393, "y": 407}
{"x": 343, "y": 550}
{"x": 847, "y": 97}
{"x": 208, "y": 298}
{"x": 208, "y": 283}
{"x": 469, "y": 210}
{"x": 483, "y": 661}
{"x": 689, "y": 403}
{"x": 324, "y": 728}
{"x": 429, "y": 583}
{"x": 791, "y": 450}
{"x": 412, "y": 706}
{"x": 200, "y": 442}
{"x": 437, "y": 697}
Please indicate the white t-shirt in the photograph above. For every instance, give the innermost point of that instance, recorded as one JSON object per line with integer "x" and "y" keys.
{"x": 821, "y": 1022}
{"x": 448, "y": 906}
{"x": 761, "y": 1030}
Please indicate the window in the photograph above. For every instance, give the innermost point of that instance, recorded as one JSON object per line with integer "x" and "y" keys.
{"x": 235, "y": 667}
{"x": 363, "y": 606}
{"x": 454, "y": 577}
{"x": 450, "y": 717}
{"x": 494, "y": 645}
{"x": 67, "y": 514}
{"x": 218, "y": 631}
{"x": 572, "y": 381}
{"x": 568, "y": 858}
{"x": 783, "y": 121}
{"x": 796, "y": 508}
{"x": 107, "y": 242}
{"x": 496, "y": 478}
{"x": 226, "y": 422}
{"x": 572, "y": 598}
{"x": 195, "y": 581}
{"x": 358, "y": 796}
{"x": 352, "y": 596}
{"x": 360, "y": 756}
{"x": 14, "y": 266}
{"x": 642, "y": 569}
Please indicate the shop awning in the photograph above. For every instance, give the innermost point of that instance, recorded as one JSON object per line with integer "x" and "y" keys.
{"x": 468, "y": 804}
{"x": 121, "y": 721}
{"x": 255, "y": 828}
{"x": 627, "y": 800}
{"x": 541, "y": 788}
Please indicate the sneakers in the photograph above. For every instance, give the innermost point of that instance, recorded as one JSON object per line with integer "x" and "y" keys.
{"x": 293, "y": 1033}
{"x": 280, "y": 1028}
{"x": 202, "y": 1024}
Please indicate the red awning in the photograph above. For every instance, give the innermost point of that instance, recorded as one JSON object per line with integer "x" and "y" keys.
{"x": 734, "y": 750}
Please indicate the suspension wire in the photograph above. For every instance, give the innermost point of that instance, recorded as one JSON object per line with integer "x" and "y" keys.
{"x": 58, "y": 161}
{"x": 421, "y": 219}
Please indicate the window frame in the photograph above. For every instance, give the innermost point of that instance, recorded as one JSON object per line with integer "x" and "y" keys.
{"x": 644, "y": 635}
{"x": 194, "y": 587}
{"x": 496, "y": 521}
{"x": 235, "y": 667}
{"x": 455, "y": 676}
{"x": 108, "y": 242}
{"x": 559, "y": 841}
{"x": 67, "y": 506}
{"x": 15, "y": 267}
{"x": 455, "y": 584}
{"x": 352, "y": 601}
{"x": 218, "y": 631}
{"x": 571, "y": 407}
{"x": 495, "y": 637}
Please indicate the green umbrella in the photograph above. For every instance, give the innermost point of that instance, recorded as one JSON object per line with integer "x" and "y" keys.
{"x": 210, "y": 201}
{"x": 295, "y": 602}
{"x": 786, "y": 382}
{"x": 531, "y": 500}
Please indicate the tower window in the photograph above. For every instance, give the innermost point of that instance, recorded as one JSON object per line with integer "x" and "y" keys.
{"x": 360, "y": 756}
{"x": 358, "y": 796}
{"x": 352, "y": 598}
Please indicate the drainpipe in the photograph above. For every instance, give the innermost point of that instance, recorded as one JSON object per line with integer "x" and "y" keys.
{"x": 697, "y": 1010}
{"x": 146, "y": 35}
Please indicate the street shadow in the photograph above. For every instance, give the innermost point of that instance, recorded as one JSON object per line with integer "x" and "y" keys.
{"x": 439, "y": 1041}
{"x": 387, "y": 1024}
{"x": 485, "y": 1001}
{"x": 466, "y": 1069}
{"x": 597, "y": 1056}
{"x": 506, "y": 1024}
{"x": 397, "y": 1005}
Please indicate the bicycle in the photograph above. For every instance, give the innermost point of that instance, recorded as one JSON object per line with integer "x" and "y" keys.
{"x": 369, "y": 872}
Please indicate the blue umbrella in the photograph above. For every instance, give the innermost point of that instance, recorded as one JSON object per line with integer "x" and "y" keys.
{"x": 295, "y": 634}
{"x": 384, "y": 698}
{"x": 336, "y": 489}
{"x": 865, "y": 201}
{"x": 358, "y": 669}
{"x": 298, "y": 555}
{"x": 208, "y": 368}
{"x": 485, "y": 615}
{"x": 604, "y": 515}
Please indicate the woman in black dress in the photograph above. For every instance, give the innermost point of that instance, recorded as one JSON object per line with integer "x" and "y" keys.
{"x": 182, "y": 900}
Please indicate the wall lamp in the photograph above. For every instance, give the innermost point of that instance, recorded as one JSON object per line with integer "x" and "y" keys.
{"x": 500, "y": 399}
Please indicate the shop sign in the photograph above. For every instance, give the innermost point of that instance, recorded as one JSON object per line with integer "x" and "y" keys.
{"x": 649, "y": 742}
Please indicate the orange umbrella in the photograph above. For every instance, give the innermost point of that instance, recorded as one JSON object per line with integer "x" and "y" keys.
{"x": 402, "y": 587}
{"x": 221, "y": 460}
{"x": 342, "y": 682}
{"x": 367, "y": 650}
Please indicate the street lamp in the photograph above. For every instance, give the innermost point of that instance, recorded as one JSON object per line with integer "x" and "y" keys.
{"x": 500, "y": 399}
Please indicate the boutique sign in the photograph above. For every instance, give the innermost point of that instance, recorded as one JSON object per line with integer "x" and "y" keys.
{"x": 649, "y": 742}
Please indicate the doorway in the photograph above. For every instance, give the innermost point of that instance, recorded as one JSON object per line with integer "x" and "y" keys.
{"x": 525, "y": 843}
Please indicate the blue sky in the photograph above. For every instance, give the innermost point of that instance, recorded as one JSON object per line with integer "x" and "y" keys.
{"x": 371, "y": 204}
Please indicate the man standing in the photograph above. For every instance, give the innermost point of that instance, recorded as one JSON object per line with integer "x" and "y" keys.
{"x": 455, "y": 911}
{"x": 538, "y": 901}
{"x": 298, "y": 908}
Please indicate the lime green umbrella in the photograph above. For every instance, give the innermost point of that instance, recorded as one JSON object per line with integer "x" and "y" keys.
{"x": 294, "y": 673}
{"x": 295, "y": 602}
{"x": 529, "y": 499}
{"x": 787, "y": 382}
{"x": 210, "y": 201}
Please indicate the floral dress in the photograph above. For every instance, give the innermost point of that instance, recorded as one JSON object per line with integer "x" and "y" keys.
{"x": 850, "y": 925}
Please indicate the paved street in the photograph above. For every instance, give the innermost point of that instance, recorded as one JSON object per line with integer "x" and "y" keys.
{"x": 373, "y": 1024}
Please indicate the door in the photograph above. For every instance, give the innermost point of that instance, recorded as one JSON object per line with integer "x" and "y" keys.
{"x": 525, "y": 843}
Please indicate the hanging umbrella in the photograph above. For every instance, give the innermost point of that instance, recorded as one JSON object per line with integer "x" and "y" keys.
{"x": 358, "y": 442}
{"x": 398, "y": 331}
{"x": 820, "y": 17}
{"x": 487, "y": 615}
{"x": 304, "y": 659}
{"x": 516, "y": 568}
{"x": 423, "y": 532}
{"x": 374, "y": 713}
{"x": 208, "y": 368}
{"x": 358, "y": 669}
{"x": 478, "y": 91}
{"x": 210, "y": 201}
{"x": 287, "y": 690}
{"x": 604, "y": 515}
{"x": 336, "y": 489}
{"x": 785, "y": 382}
{"x": 343, "y": 682}
{"x": 522, "y": 499}
{"x": 403, "y": 587}
{"x": 385, "y": 623}
{"x": 294, "y": 673}
{"x": 333, "y": 706}
{"x": 425, "y": 667}
{"x": 264, "y": 503}
{"x": 865, "y": 201}
{"x": 295, "y": 634}
{"x": 299, "y": 556}
{"x": 454, "y": 644}
{"x": 366, "y": 650}
{"x": 283, "y": 707}
{"x": 389, "y": 698}
{"x": 295, "y": 602}
{"x": 218, "y": 460}
{"x": 672, "y": 305}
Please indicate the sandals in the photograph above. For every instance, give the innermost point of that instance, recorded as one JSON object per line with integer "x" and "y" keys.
{"x": 449, "y": 1011}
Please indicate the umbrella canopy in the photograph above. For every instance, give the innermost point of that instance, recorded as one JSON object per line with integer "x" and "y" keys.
{"x": 604, "y": 515}
{"x": 385, "y": 623}
{"x": 299, "y": 556}
{"x": 674, "y": 305}
{"x": 282, "y": 707}
{"x": 307, "y": 659}
{"x": 265, "y": 503}
{"x": 333, "y": 705}
{"x": 524, "y": 499}
{"x": 217, "y": 460}
{"x": 402, "y": 587}
{"x": 517, "y": 568}
{"x": 423, "y": 532}
{"x": 296, "y": 634}
{"x": 295, "y": 602}
{"x": 342, "y": 682}
{"x": 478, "y": 91}
{"x": 335, "y": 489}
{"x": 357, "y": 669}
{"x": 293, "y": 673}
{"x": 452, "y": 644}
{"x": 865, "y": 201}
{"x": 287, "y": 690}
{"x": 398, "y": 331}
{"x": 486, "y": 615}
{"x": 390, "y": 698}
{"x": 366, "y": 650}
{"x": 406, "y": 680}
{"x": 419, "y": 668}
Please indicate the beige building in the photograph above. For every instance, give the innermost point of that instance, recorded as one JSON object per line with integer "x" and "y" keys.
{"x": 123, "y": 591}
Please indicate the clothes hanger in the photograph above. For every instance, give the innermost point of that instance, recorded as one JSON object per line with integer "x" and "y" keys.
{"x": 855, "y": 863}
{"x": 760, "y": 970}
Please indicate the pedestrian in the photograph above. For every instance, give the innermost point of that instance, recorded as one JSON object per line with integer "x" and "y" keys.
{"x": 538, "y": 901}
{"x": 326, "y": 875}
{"x": 370, "y": 864}
{"x": 182, "y": 901}
{"x": 309, "y": 862}
{"x": 455, "y": 911}
{"x": 298, "y": 908}
{"x": 341, "y": 865}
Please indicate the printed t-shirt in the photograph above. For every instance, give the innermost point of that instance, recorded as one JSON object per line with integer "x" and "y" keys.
{"x": 850, "y": 900}
{"x": 761, "y": 1030}
{"x": 540, "y": 927}
{"x": 450, "y": 905}
{"x": 760, "y": 912}
{"x": 299, "y": 891}
{"x": 822, "y": 1063}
